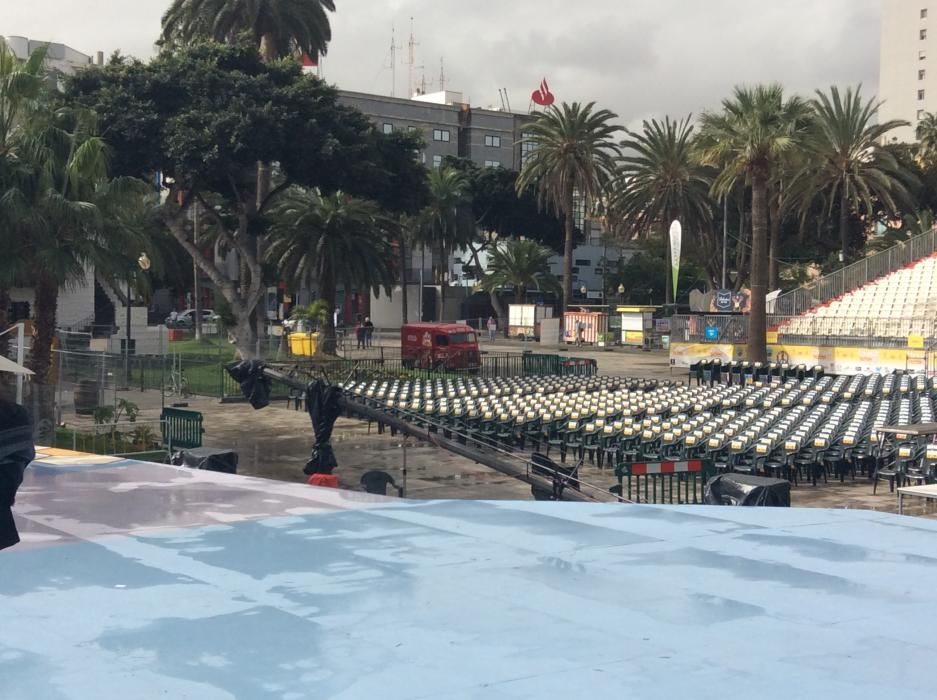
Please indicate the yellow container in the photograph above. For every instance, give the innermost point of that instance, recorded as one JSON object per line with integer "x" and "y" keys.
{"x": 303, "y": 343}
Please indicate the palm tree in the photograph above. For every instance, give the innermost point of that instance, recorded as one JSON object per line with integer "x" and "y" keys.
{"x": 660, "y": 179}
{"x": 926, "y": 134}
{"x": 756, "y": 127}
{"x": 21, "y": 84}
{"x": 448, "y": 223}
{"x": 279, "y": 27}
{"x": 846, "y": 160}
{"x": 522, "y": 265}
{"x": 66, "y": 230}
{"x": 573, "y": 156}
{"x": 330, "y": 239}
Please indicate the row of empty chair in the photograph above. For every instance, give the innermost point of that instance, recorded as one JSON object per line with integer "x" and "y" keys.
{"x": 893, "y": 307}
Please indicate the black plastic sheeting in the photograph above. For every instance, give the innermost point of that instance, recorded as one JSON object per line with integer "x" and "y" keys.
{"x": 561, "y": 476}
{"x": 745, "y": 490}
{"x": 207, "y": 458}
{"x": 323, "y": 405}
{"x": 254, "y": 384}
{"x": 16, "y": 451}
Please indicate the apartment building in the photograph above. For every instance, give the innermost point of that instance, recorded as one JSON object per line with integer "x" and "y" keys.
{"x": 908, "y": 63}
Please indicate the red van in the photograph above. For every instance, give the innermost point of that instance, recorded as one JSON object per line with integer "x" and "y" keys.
{"x": 439, "y": 346}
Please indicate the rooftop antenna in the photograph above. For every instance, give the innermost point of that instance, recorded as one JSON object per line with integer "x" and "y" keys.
{"x": 507, "y": 99}
{"x": 411, "y": 60}
{"x": 442, "y": 74}
{"x": 501, "y": 95}
{"x": 394, "y": 47}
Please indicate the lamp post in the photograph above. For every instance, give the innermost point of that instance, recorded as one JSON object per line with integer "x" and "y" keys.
{"x": 583, "y": 290}
{"x": 143, "y": 262}
{"x": 621, "y": 293}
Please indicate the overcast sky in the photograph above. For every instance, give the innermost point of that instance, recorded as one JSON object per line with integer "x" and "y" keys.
{"x": 639, "y": 58}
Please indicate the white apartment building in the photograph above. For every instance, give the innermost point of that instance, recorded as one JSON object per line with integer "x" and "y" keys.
{"x": 908, "y": 63}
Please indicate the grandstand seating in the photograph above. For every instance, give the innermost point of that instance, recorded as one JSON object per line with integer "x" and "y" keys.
{"x": 791, "y": 422}
{"x": 891, "y": 308}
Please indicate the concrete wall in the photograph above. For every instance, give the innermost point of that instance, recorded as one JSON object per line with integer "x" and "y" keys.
{"x": 901, "y": 62}
{"x": 386, "y": 311}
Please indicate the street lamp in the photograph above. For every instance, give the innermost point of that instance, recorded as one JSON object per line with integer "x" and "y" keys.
{"x": 583, "y": 290}
{"x": 621, "y": 294}
{"x": 144, "y": 263}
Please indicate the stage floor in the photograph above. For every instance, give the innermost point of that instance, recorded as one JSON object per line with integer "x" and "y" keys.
{"x": 139, "y": 581}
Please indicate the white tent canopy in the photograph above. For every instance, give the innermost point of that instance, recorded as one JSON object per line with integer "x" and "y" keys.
{"x": 10, "y": 366}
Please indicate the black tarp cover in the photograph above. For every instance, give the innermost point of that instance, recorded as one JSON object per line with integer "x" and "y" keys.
{"x": 322, "y": 403}
{"x": 746, "y": 490}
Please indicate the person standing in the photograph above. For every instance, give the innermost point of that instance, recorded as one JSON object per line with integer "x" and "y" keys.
{"x": 492, "y": 328}
{"x": 359, "y": 333}
{"x": 16, "y": 452}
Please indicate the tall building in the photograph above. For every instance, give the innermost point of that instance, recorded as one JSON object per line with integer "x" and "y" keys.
{"x": 908, "y": 63}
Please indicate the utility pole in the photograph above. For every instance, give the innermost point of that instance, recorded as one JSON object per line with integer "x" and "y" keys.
{"x": 394, "y": 47}
{"x": 411, "y": 60}
{"x": 442, "y": 74}
{"x": 197, "y": 291}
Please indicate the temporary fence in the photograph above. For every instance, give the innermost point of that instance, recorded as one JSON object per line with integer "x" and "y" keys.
{"x": 141, "y": 439}
{"x": 389, "y": 364}
{"x": 663, "y": 482}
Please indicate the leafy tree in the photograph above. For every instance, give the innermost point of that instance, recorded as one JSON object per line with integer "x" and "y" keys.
{"x": 331, "y": 238}
{"x": 846, "y": 163}
{"x": 521, "y": 265}
{"x": 573, "y": 156}
{"x": 659, "y": 179}
{"x": 755, "y": 128}
{"x": 279, "y": 27}
{"x": 207, "y": 117}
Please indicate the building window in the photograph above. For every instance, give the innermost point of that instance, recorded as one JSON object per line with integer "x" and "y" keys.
{"x": 583, "y": 263}
{"x": 527, "y": 147}
{"x": 923, "y": 34}
{"x": 920, "y": 94}
{"x": 423, "y": 157}
{"x": 923, "y": 13}
{"x": 441, "y": 135}
{"x": 492, "y": 163}
{"x": 921, "y": 74}
{"x": 920, "y": 114}
{"x": 437, "y": 161}
{"x": 492, "y": 141}
{"x": 387, "y": 128}
{"x": 921, "y": 55}
{"x": 575, "y": 271}
{"x": 412, "y": 128}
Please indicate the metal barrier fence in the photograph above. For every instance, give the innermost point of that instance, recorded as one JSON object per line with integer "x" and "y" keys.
{"x": 853, "y": 276}
{"x": 390, "y": 365}
{"x": 807, "y": 330}
{"x": 663, "y": 482}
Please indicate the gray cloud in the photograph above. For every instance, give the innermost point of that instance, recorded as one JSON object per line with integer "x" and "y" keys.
{"x": 636, "y": 57}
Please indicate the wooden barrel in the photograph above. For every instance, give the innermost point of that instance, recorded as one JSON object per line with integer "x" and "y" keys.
{"x": 86, "y": 397}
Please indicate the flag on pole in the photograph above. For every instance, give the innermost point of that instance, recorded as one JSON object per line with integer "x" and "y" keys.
{"x": 676, "y": 239}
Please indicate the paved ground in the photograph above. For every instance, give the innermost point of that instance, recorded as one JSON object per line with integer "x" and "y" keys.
{"x": 276, "y": 443}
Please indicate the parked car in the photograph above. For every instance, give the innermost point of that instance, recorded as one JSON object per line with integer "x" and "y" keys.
{"x": 186, "y": 319}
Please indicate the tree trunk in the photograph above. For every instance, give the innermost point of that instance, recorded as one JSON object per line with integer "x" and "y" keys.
{"x": 568, "y": 253}
{"x": 843, "y": 222}
{"x": 327, "y": 292}
{"x": 775, "y": 243}
{"x": 403, "y": 280}
{"x": 668, "y": 282}
{"x": 40, "y": 356}
{"x": 757, "y": 351}
{"x": 5, "y": 377}
{"x": 441, "y": 275}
